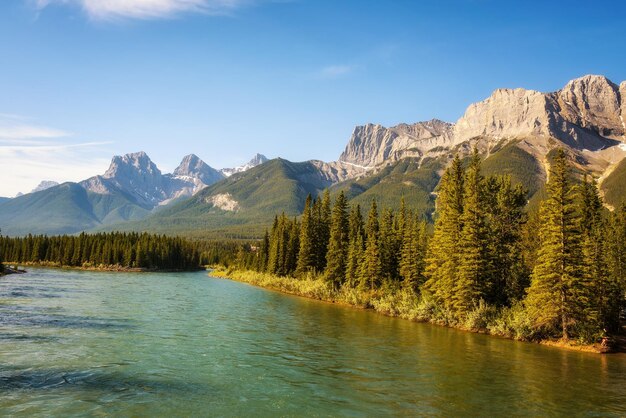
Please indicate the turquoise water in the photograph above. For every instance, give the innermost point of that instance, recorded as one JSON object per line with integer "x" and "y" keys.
{"x": 115, "y": 344}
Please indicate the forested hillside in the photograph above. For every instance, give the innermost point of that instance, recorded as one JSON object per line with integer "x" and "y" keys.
{"x": 560, "y": 273}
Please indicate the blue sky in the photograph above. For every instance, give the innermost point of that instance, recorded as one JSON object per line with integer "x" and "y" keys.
{"x": 82, "y": 80}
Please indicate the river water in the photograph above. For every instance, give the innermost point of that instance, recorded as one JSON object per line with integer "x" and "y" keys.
{"x": 117, "y": 344}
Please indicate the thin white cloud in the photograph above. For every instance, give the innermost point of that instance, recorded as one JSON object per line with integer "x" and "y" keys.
{"x": 32, "y": 153}
{"x": 334, "y": 71}
{"x": 148, "y": 9}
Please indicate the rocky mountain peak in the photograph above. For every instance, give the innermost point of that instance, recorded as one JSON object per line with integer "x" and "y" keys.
{"x": 192, "y": 166}
{"x": 373, "y": 144}
{"x": 256, "y": 160}
{"x": 592, "y": 102}
{"x": 45, "y": 184}
{"x": 137, "y": 162}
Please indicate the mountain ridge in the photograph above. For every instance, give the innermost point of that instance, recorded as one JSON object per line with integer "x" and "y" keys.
{"x": 515, "y": 130}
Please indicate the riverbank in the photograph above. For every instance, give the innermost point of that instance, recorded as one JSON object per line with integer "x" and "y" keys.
{"x": 102, "y": 267}
{"x": 402, "y": 303}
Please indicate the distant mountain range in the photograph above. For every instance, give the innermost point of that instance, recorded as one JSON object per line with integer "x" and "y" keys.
{"x": 515, "y": 130}
{"x": 132, "y": 188}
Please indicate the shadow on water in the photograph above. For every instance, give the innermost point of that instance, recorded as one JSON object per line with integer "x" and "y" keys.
{"x": 13, "y": 318}
{"x": 100, "y": 380}
{"x": 24, "y": 337}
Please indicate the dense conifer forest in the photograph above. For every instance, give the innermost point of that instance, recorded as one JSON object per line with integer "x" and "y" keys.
{"x": 557, "y": 273}
{"x": 127, "y": 250}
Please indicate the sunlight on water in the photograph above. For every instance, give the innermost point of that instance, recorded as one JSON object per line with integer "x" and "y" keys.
{"x": 85, "y": 343}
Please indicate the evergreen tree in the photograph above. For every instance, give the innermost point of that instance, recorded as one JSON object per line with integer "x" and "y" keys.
{"x": 557, "y": 277}
{"x": 323, "y": 231}
{"x": 371, "y": 269}
{"x": 306, "y": 254}
{"x": 616, "y": 261}
{"x": 472, "y": 283}
{"x": 506, "y": 217}
{"x": 389, "y": 246}
{"x": 293, "y": 247}
{"x": 338, "y": 244}
{"x": 356, "y": 246}
{"x": 409, "y": 270}
{"x": 444, "y": 248}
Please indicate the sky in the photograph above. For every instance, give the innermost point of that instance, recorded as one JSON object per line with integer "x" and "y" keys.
{"x": 83, "y": 80}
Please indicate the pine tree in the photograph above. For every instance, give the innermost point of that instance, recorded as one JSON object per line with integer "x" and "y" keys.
{"x": 506, "y": 217}
{"x": 389, "y": 246}
{"x": 323, "y": 231}
{"x": 356, "y": 246}
{"x": 293, "y": 246}
{"x": 371, "y": 269}
{"x": 338, "y": 244}
{"x": 409, "y": 270}
{"x": 557, "y": 276}
{"x": 473, "y": 281}
{"x": 444, "y": 248}
{"x": 616, "y": 261}
{"x": 356, "y": 254}
{"x": 306, "y": 254}
{"x": 600, "y": 292}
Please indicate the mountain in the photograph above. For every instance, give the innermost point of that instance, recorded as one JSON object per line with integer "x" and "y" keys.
{"x": 372, "y": 145}
{"x": 515, "y": 126}
{"x": 516, "y": 131}
{"x": 258, "y": 159}
{"x": 130, "y": 189}
{"x": 243, "y": 204}
{"x": 45, "y": 184}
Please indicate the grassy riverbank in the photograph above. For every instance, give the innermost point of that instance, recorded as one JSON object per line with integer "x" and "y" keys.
{"x": 402, "y": 303}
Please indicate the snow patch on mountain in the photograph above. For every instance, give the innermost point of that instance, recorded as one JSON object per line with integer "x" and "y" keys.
{"x": 257, "y": 160}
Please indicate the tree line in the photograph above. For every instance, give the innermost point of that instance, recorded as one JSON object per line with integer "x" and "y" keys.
{"x": 564, "y": 265}
{"x": 129, "y": 250}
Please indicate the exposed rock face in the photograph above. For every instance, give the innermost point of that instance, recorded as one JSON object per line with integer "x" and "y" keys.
{"x": 584, "y": 115}
{"x": 510, "y": 113}
{"x": 588, "y": 116}
{"x": 136, "y": 175}
{"x": 371, "y": 145}
{"x": 223, "y": 201}
{"x": 193, "y": 167}
{"x": 622, "y": 93}
{"x": 258, "y": 159}
{"x": 592, "y": 102}
{"x": 45, "y": 184}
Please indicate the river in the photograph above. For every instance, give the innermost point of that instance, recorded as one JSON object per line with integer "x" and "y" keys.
{"x": 185, "y": 344}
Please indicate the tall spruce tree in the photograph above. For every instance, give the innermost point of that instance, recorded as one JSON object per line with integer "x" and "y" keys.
{"x": 322, "y": 230}
{"x": 444, "y": 247}
{"x": 389, "y": 246}
{"x": 338, "y": 243}
{"x": 616, "y": 260}
{"x": 356, "y": 246}
{"x": 506, "y": 217}
{"x": 306, "y": 254}
{"x": 474, "y": 267}
{"x": 371, "y": 268}
{"x": 410, "y": 254}
{"x": 557, "y": 277}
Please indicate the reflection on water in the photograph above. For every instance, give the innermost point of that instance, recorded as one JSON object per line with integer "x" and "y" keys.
{"x": 87, "y": 343}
